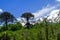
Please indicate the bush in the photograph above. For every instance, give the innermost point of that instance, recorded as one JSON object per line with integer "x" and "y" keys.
{"x": 15, "y": 27}
{"x": 3, "y": 28}
{"x": 12, "y": 27}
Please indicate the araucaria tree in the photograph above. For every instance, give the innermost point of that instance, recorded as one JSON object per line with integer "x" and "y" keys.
{"x": 27, "y": 15}
{"x": 7, "y": 17}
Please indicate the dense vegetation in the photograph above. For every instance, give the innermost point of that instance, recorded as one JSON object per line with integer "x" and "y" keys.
{"x": 40, "y": 31}
{"x": 37, "y": 32}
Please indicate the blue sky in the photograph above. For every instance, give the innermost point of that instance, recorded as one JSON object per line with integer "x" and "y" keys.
{"x": 17, "y": 7}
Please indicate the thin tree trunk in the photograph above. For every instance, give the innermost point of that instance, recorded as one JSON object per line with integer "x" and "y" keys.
{"x": 27, "y": 23}
{"x": 6, "y": 25}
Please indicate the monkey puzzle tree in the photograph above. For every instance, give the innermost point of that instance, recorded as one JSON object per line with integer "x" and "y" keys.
{"x": 27, "y": 15}
{"x": 7, "y": 17}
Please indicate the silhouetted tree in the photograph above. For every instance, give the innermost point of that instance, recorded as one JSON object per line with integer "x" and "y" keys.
{"x": 27, "y": 15}
{"x": 7, "y": 17}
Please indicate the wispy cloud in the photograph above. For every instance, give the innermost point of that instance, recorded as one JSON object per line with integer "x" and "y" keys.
{"x": 44, "y": 11}
{"x": 1, "y": 10}
{"x": 48, "y": 10}
{"x": 58, "y": 0}
{"x": 53, "y": 14}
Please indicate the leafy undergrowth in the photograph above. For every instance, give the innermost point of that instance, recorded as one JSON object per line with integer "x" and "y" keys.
{"x": 29, "y": 34}
{"x": 37, "y": 32}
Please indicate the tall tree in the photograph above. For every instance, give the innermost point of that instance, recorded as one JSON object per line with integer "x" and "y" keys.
{"x": 7, "y": 17}
{"x": 46, "y": 27}
{"x": 27, "y": 15}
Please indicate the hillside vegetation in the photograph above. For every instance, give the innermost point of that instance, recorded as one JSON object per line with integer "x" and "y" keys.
{"x": 37, "y": 32}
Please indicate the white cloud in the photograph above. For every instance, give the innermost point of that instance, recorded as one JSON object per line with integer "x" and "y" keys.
{"x": 1, "y": 10}
{"x": 53, "y": 15}
{"x": 58, "y": 0}
{"x": 44, "y": 11}
{"x": 21, "y": 20}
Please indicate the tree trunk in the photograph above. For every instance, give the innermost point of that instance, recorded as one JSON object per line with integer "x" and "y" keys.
{"x": 27, "y": 23}
{"x": 6, "y": 25}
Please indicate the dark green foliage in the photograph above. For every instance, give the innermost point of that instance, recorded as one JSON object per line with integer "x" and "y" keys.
{"x": 58, "y": 36}
{"x": 3, "y": 28}
{"x": 12, "y": 27}
{"x": 15, "y": 27}
{"x": 36, "y": 33}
